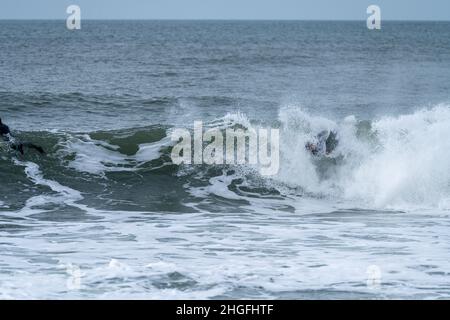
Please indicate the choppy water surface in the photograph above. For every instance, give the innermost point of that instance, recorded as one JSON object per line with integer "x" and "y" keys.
{"x": 105, "y": 214}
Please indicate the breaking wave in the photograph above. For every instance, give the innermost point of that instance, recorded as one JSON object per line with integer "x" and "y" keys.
{"x": 392, "y": 162}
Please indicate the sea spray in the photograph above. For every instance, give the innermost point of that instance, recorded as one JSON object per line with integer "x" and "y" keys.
{"x": 392, "y": 161}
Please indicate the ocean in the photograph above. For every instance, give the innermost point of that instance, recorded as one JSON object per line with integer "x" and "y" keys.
{"x": 105, "y": 214}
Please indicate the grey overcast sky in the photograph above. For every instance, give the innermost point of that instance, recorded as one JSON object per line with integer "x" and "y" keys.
{"x": 227, "y": 9}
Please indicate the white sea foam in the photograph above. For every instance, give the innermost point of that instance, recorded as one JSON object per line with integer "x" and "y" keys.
{"x": 398, "y": 163}
{"x": 305, "y": 244}
{"x": 218, "y": 255}
{"x": 407, "y": 165}
{"x": 151, "y": 151}
{"x": 97, "y": 157}
{"x": 61, "y": 195}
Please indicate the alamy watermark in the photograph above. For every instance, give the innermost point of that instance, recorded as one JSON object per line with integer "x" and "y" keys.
{"x": 74, "y": 280}
{"x": 373, "y": 277}
{"x": 73, "y": 21}
{"x": 259, "y": 147}
{"x": 374, "y": 20}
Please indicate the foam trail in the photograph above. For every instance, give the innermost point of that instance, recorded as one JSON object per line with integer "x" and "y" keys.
{"x": 98, "y": 157}
{"x": 93, "y": 156}
{"x": 65, "y": 194}
{"x": 151, "y": 151}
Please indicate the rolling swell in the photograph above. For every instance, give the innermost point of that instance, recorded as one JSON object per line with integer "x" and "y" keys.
{"x": 384, "y": 163}
{"x": 88, "y": 112}
{"x": 106, "y": 168}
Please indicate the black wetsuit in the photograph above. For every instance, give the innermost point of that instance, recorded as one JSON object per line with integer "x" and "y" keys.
{"x": 331, "y": 142}
{"x": 4, "y": 130}
{"x": 5, "y": 133}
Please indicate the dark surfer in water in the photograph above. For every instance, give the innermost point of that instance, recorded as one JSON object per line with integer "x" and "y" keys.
{"x": 326, "y": 142}
{"x": 5, "y": 133}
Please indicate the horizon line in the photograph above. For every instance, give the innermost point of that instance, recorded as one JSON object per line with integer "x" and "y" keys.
{"x": 221, "y": 19}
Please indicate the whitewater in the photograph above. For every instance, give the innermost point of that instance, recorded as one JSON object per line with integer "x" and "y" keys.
{"x": 315, "y": 230}
{"x": 107, "y": 214}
